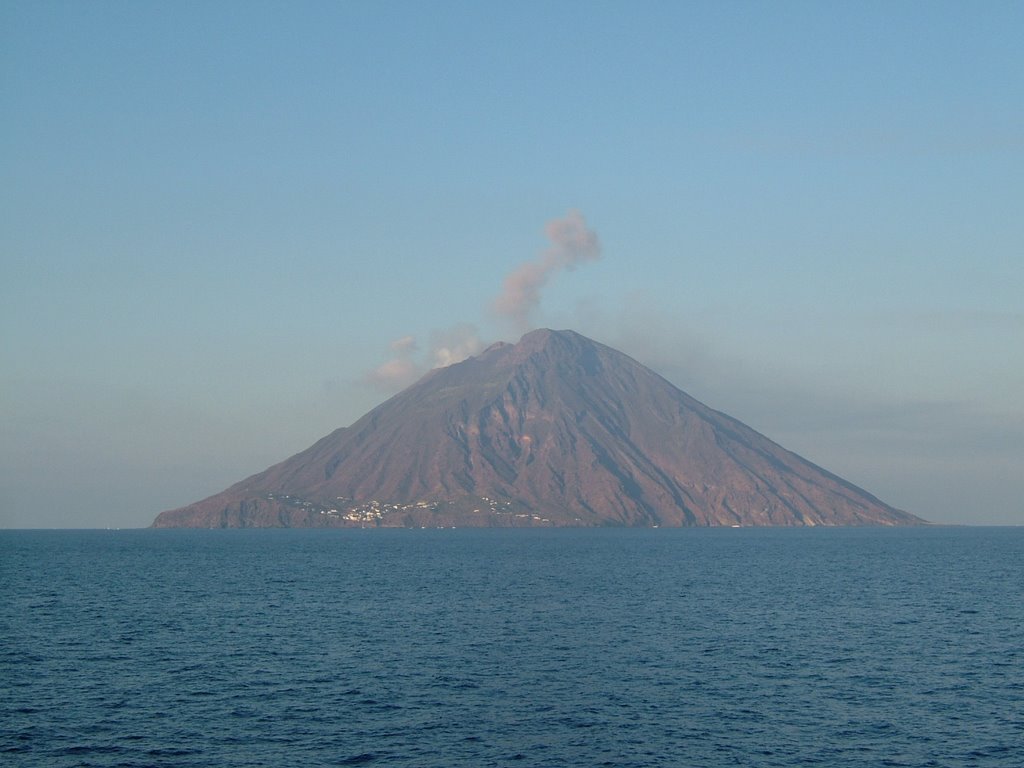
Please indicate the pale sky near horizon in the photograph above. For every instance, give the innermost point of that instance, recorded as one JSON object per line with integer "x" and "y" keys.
{"x": 228, "y": 226}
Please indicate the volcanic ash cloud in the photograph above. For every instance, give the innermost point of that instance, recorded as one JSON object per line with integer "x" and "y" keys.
{"x": 572, "y": 243}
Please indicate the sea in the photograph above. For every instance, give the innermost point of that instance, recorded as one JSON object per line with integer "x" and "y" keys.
{"x": 467, "y": 648}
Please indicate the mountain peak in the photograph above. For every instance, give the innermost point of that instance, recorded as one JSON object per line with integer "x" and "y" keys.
{"x": 546, "y": 337}
{"x": 541, "y": 336}
{"x": 553, "y": 430}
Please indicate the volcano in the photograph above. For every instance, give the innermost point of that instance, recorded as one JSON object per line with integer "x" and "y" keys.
{"x": 557, "y": 430}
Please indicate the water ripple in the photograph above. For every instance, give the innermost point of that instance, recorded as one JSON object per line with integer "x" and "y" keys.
{"x": 558, "y": 648}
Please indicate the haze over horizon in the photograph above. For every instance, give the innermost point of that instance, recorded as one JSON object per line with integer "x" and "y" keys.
{"x": 233, "y": 228}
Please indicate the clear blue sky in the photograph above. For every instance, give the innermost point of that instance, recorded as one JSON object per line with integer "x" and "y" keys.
{"x": 217, "y": 218}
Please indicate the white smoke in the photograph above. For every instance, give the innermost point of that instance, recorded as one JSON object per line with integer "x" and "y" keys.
{"x": 401, "y": 370}
{"x": 454, "y": 345}
{"x": 447, "y": 347}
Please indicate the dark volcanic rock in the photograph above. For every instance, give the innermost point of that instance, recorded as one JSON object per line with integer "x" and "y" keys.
{"x": 554, "y": 430}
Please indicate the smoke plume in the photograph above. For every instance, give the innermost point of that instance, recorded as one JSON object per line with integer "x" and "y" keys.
{"x": 454, "y": 345}
{"x": 447, "y": 347}
{"x": 572, "y": 243}
{"x": 401, "y": 370}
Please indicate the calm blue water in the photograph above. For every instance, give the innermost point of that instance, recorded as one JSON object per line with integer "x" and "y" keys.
{"x": 501, "y": 648}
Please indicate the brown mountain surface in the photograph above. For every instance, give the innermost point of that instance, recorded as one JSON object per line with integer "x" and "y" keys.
{"x": 555, "y": 430}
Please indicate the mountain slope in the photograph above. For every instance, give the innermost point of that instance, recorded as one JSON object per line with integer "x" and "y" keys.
{"x": 554, "y": 430}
